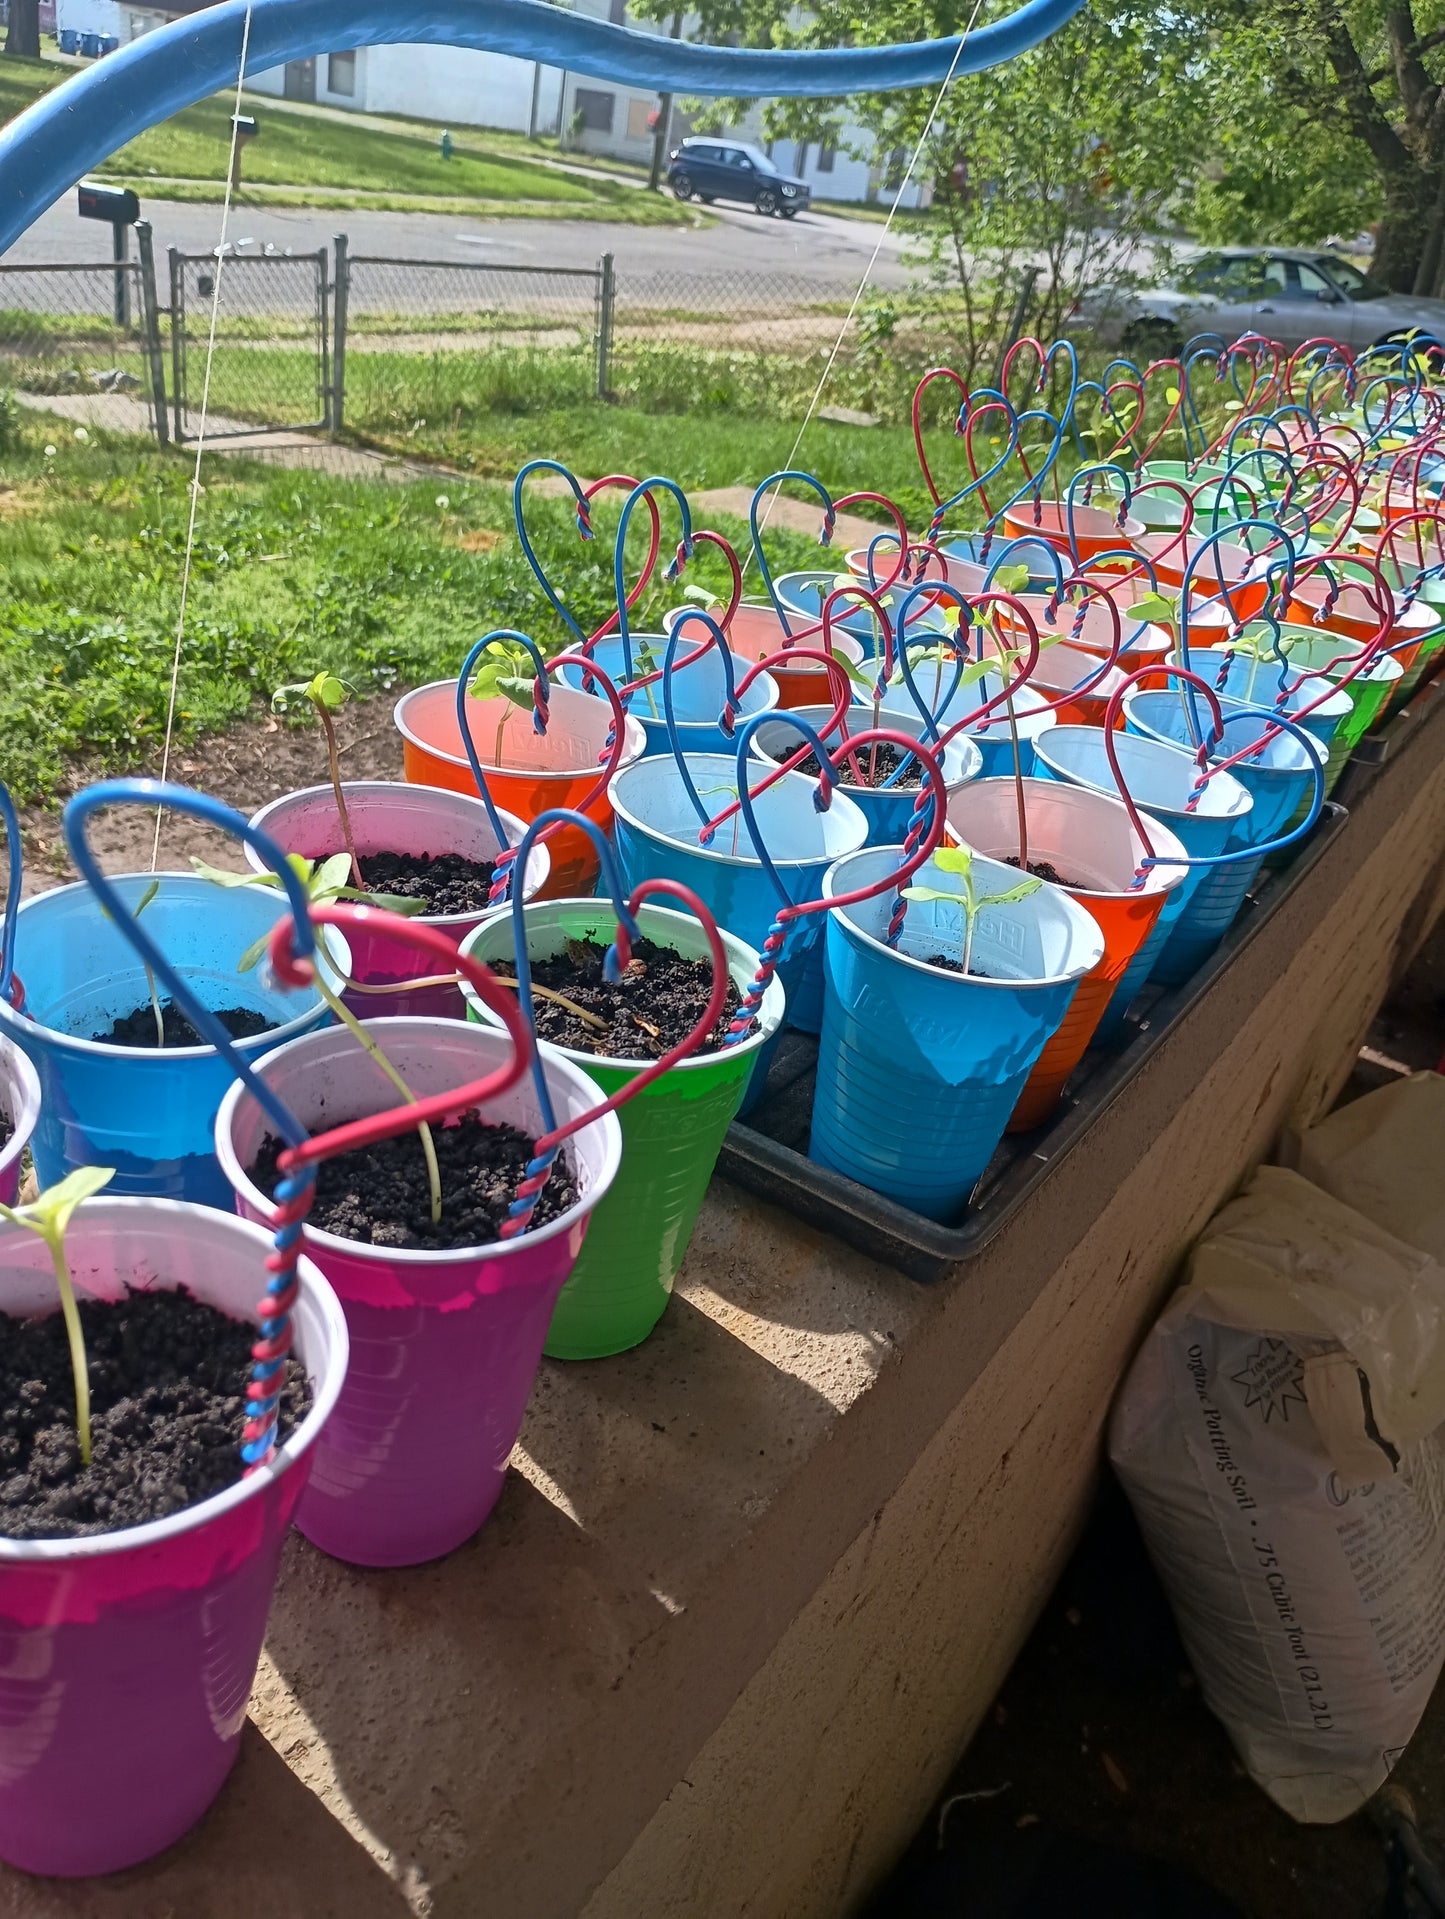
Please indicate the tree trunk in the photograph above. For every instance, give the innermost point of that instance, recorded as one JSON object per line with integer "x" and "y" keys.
{"x": 23, "y": 35}
{"x": 1427, "y": 273}
{"x": 1406, "y": 220}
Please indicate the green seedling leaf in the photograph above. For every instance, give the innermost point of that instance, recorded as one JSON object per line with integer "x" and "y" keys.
{"x": 253, "y": 955}
{"x": 1156, "y": 609}
{"x": 50, "y": 1213}
{"x": 401, "y": 903}
{"x": 928, "y": 893}
{"x": 145, "y": 899}
{"x": 218, "y": 876}
{"x": 1011, "y": 579}
{"x": 1019, "y": 892}
{"x": 1171, "y": 394}
{"x": 701, "y": 596}
{"x": 953, "y": 859}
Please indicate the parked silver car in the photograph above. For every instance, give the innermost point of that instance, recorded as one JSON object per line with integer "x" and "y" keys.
{"x": 1292, "y": 294}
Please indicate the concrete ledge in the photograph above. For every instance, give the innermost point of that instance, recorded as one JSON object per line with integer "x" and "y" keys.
{"x": 749, "y": 1589}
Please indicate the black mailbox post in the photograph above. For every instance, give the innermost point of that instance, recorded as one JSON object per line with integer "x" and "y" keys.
{"x": 244, "y": 129}
{"x": 121, "y": 208}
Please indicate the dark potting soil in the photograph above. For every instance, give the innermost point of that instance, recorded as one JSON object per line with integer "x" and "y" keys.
{"x": 886, "y": 763}
{"x": 947, "y": 965}
{"x": 657, "y": 1002}
{"x": 448, "y": 882}
{"x": 139, "y": 1028}
{"x": 168, "y": 1378}
{"x": 379, "y": 1194}
{"x": 1042, "y": 870}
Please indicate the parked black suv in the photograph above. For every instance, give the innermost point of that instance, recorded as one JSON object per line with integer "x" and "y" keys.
{"x": 728, "y": 170}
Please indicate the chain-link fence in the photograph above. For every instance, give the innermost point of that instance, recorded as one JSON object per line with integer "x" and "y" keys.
{"x": 271, "y": 365}
{"x": 422, "y": 353}
{"x": 428, "y": 340}
{"x": 71, "y": 334}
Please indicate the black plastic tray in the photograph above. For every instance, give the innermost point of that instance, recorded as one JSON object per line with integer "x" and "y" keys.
{"x": 768, "y": 1155}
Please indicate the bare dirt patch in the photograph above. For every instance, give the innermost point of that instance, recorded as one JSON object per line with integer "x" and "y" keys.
{"x": 253, "y": 763}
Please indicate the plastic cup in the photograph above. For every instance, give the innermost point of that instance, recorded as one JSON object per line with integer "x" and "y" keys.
{"x": 756, "y": 633}
{"x": 128, "y": 1658}
{"x": 657, "y": 829}
{"x": 672, "y": 1132}
{"x": 993, "y": 735}
{"x": 555, "y": 768}
{"x": 888, "y": 810}
{"x": 1278, "y": 781}
{"x": 20, "y": 1105}
{"x": 1161, "y": 780}
{"x": 389, "y": 817}
{"x": 1089, "y": 627}
{"x": 148, "y": 1113}
{"x": 1088, "y": 532}
{"x": 444, "y": 1346}
{"x": 699, "y": 692}
{"x": 918, "y": 1069}
{"x": 1091, "y": 840}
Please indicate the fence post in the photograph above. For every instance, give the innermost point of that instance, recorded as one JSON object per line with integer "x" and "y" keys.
{"x": 606, "y": 298}
{"x": 178, "y": 336}
{"x": 151, "y": 323}
{"x": 341, "y": 294}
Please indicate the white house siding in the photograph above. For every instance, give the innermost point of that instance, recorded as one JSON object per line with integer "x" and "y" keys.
{"x": 452, "y": 85}
{"x": 90, "y": 16}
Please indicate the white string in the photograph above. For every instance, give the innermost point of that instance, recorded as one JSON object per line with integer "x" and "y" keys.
{"x": 201, "y": 434}
{"x": 867, "y": 271}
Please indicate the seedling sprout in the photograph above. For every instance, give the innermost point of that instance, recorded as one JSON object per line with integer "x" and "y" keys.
{"x": 958, "y": 860}
{"x": 49, "y": 1215}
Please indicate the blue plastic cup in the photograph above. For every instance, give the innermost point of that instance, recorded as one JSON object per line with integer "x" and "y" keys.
{"x": 888, "y": 810}
{"x": 1278, "y": 782}
{"x": 657, "y": 827}
{"x": 918, "y": 1069}
{"x": 698, "y": 692}
{"x": 992, "y": 736}
{"x": 1160, "y": 780}
{"x": 149, "y": 1114}
{"x": 1255, "y": 682}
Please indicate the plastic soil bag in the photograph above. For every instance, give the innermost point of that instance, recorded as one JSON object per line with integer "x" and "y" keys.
{"x": 1382, "y": 1155}
{"x": 1278, "y": 1437}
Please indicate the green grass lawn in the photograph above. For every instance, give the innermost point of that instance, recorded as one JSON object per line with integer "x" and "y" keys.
{"x": 339, "y": 165}
{"x": 293, "y": 571}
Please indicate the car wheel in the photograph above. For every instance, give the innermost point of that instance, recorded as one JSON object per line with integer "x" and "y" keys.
{"x": 1389, "y": 349}
{"x": 681, "y": 186}
{"x": 707, "y": 198}
{"x": 790, "y": 213}
{"x": 1151, "y": 339}
{"x": 767, "y": 200}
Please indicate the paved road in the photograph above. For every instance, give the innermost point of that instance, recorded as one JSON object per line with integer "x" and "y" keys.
{"x": 814, "y": 246}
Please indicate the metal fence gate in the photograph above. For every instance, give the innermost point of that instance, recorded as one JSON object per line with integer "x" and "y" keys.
{"x": 272, "y": 362}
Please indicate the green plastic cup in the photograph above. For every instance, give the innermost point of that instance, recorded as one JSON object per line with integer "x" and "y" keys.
{"x": 672, "y": 1132}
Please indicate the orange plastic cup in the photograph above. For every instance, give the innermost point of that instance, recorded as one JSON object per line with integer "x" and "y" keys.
{"x": 1224, "y": 565}
{"x": 557, "y": 768}
{"x": 755, "y": 632}
{"x": 1096, "y": 528}
{"x": 1091, "y": 842}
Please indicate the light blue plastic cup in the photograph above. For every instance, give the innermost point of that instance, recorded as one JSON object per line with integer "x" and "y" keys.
{"x": 1160, "y": 780}
{"x": 698, "y": 693}
{"x": 149, "y": 1114}
{"x": 995, "y": 739}
{"x": 888, "y": 810}
{"x": 1256, "y": 683}
{"x": 801, "y": 596}
{"x": 918, "y": 1069}
{"x": 1278, "y": 782}
{"x": 656, "y": 828}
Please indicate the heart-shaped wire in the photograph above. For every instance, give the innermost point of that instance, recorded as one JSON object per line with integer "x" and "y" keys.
{"x": 825, "y": 537}
{"x": 505, "y": 866}
{"x": 11, "y": 990}
{"x": 643, "y": 491}
{"x": 935, "y": 373}
{"x": 615, "y": 963}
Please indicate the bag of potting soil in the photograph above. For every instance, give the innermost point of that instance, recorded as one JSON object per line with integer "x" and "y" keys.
{"x": 1381, "y": 1155}
{"x": 1279, "y": 1439}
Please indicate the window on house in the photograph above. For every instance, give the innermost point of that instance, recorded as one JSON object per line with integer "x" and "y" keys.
{"x": 596, "y": 108}
{"x": 826, "y": 157}
{"x": 341, "y": 74}
{"x": 637, "y": 116}
{"x": 897, "y": 161}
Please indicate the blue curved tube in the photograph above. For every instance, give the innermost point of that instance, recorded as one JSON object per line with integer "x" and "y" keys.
{"x": 12, "y": 891}
{"x": 197, "y": 806}
{"x": 825, "y": 538}
{"x": 70, "y": 131}
{"x": 464, "y": 724}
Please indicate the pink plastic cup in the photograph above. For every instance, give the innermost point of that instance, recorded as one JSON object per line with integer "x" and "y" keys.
{"x": 388, "y": 816}
{"x": 444, "y": 1346}
{"x": 20, "y": 1104}
{"x": 126, "y": 1660}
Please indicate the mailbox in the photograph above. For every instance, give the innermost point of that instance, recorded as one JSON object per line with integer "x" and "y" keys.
{"x": 245, "y": 125}
{"x": 117, "y": 206}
